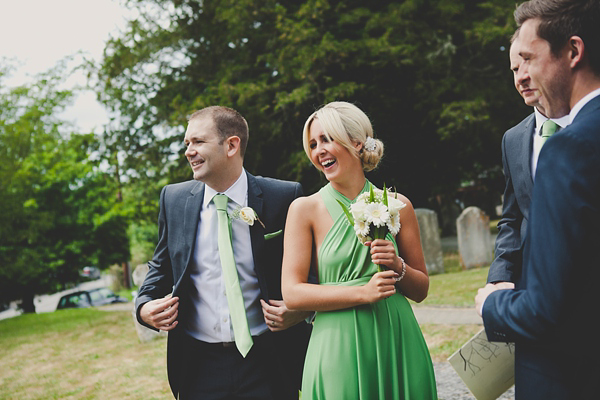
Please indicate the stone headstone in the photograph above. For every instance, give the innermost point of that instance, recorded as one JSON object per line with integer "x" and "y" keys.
{"x": 474, "y": 238}
{"x": 147, "y": 334}
{"x": 139, "y": 274}
{"x": 430, "y": 240}
{"x": 144, "y": 334}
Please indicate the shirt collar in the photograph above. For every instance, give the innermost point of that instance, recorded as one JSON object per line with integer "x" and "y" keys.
{"x": 575, "y": 110}
{"x": 237, "y": 192}
{"x": 540, "y": 119}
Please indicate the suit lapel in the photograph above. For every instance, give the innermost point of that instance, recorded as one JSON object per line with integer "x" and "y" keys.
{"x": 528, "y": 146}
{"x": 191, "y": 217}
{"x": 255, "y": 201}
{"x": 523, "y": 158}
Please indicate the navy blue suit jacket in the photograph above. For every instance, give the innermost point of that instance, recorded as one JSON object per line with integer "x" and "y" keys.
{"x": 179, "y": 214}
{"x": 517, "y": 148}
{"x": 553, "y": 317}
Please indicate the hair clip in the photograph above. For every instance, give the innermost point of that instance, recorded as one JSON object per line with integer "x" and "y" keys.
{"x": 370, "y": 144}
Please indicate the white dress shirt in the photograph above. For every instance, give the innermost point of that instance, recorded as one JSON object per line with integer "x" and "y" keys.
{"x": 212, "y": 322}
{"x": 538, "y": 142}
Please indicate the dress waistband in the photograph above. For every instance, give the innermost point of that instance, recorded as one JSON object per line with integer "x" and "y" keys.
{"x": 363, "y": 280}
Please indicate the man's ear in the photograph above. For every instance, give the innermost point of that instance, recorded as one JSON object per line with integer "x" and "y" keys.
{"x": 233, "y": 145}
{"x": 576, "y": 51}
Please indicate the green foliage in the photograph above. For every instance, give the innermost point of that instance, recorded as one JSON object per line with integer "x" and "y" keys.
{"x": 432, "y": 75}
{"x": 57, "y": 213}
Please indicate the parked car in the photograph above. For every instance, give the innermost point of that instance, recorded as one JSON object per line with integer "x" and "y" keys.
{"x": 89, "y": 298}
{"x": 91, "y": 273}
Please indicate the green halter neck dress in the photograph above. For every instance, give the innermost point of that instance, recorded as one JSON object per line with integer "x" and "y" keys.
{"x": 373, "y": 351}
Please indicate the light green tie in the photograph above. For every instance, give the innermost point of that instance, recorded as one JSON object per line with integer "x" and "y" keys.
{"x": 235, "y": 300}
{"x": 548, "y": 129}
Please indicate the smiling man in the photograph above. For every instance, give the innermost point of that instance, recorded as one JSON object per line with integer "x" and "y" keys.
{"x": 215, "y": 281}
{"x": 551, "y": 315}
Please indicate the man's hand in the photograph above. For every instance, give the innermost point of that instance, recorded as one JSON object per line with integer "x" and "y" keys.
{"x": 504, "y": 285}
{"x": 278, "y": 317}
{"x": 485, "y": 291}
{"x": 161, "y": 313}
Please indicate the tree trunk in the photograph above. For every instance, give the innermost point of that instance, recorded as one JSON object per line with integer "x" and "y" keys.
{"x": 27, "y": 303}
{"x": 126, "y": 275}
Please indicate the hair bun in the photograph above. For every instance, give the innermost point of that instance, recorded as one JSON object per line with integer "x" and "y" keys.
{"x": 371, "y": 153}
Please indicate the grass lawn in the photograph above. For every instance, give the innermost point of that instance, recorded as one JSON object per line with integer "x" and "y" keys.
{"x": 456, "y": 289}
{"x": 444, "y": 340}
{"x": 93, "y": 354}
{"x": 79, "y": 354}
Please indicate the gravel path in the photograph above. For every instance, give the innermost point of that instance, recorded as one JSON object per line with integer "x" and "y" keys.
{"x": 451, "y": 387}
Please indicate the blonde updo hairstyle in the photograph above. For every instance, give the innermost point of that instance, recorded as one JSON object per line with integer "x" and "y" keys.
{"x": 346, "y": 124}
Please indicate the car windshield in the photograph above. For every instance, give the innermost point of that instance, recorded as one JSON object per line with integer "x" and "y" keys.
{"x": 102, "y": 293}
{"x": 74, "y": 300}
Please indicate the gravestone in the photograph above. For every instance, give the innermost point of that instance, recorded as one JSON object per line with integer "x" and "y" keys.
{"x": 139, "y": 274}
{"x": 474, "y": 238}
{"x": 144, "y": 334}
{"x": 430, "y": 240}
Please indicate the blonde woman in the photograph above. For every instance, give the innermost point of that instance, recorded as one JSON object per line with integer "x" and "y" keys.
{"x": 366, "y": 343}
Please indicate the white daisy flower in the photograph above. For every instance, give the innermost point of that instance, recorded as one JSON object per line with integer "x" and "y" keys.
{"x": 361, "y": 227}
{"x": 393, "y": 224}
{"x": 377, "y": 214}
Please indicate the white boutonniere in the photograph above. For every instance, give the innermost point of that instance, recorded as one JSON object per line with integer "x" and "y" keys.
{"x": 246, "y": 214}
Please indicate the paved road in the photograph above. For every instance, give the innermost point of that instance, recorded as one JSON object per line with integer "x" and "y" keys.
{"x": 48, "y": 302}
{"x": 447, "y": 315}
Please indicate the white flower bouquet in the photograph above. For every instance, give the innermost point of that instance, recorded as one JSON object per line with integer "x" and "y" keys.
{"x": 374, "y": 214}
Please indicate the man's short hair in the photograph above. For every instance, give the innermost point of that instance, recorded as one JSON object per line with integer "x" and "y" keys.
{"x": 561, "y": 19}
{"x": 228, "y": 122}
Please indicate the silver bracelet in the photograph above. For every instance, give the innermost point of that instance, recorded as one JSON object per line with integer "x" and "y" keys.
{"x": 398, "y": 279}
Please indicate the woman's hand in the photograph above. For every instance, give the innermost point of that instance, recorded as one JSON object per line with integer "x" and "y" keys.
{"x": 278, "y": 317}
{"x": 381, "y": 286}
{"x": 384, "y": 253}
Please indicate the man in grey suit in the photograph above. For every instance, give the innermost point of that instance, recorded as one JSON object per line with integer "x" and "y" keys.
{"x": 188, "y": 292}
{"x": 521, "y": 146}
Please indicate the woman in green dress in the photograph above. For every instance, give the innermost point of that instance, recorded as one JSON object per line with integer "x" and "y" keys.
{"x": 366, "y": 343}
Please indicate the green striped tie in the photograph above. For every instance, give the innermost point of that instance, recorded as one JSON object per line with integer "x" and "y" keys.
{"x": 235, "y": 300}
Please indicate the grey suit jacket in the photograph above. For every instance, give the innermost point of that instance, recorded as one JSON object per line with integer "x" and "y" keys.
{"x": 179, "y": 214}
{"x": 517, "y": 148}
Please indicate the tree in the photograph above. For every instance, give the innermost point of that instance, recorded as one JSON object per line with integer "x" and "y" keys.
{"x": 57, "y": 214}
{"x": 432, "y": 75}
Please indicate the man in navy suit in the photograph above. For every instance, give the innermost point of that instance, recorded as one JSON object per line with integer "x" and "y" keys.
{"x": 184, "y": 292}
{"x": 553, "y": 313}
{"x": 521, "y": 146}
